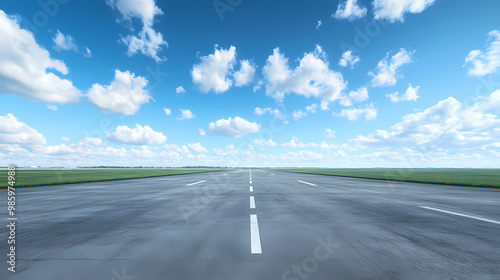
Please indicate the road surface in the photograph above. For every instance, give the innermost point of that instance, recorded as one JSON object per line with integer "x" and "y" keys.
{"x": 254, "y": 224}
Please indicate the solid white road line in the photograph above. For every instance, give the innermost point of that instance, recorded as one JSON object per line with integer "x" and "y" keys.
{"x": 251, "y": 189}
{"x": 196, "y": 183}
{"x": 462, "y": 215}
{"x": 306, "y": 183}
{"x": 254, "y": 235}
{"x": 252, "y": 203}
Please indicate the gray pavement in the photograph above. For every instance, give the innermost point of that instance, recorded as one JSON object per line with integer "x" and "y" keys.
{"x": 331, "y": 228}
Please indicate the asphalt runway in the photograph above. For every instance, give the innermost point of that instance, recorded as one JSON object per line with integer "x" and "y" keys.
{"x": 254, "y": 224}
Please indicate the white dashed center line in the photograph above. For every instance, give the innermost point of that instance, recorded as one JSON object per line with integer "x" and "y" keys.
{"x": 196, "y": 183}
{"x": 306, "y": 183}
{"x": 254, "y": 235}
{"x": 252, "y": 203}
{"x": 251, "y": 189}
{"x": 462, "y": 215}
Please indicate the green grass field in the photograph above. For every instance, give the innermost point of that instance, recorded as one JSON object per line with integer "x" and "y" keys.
{"x": 30, "y": 177}
{"x": 463, "y": 177}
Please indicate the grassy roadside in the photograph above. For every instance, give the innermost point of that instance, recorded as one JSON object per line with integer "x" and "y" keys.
{"x": 489, "y": 178}
{"x": 30, "y": 177}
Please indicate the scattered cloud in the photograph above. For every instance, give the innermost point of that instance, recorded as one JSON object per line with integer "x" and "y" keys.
{"x": 197, "y": 148}
{"x": 295, "y": 143}
{"x": 233, "y": 127}
{"x": 387, "y": 69}
{"x": 350, "y": 10}
{"x": 125, "y": 95}
{"x": 52, "y": 107}
{"x": 348, "y": 59}
{"x": 276, "y": 113}
{"x": 16, "y": 132}
{"x": 311, "y": 78}
{"x": 139, "y": 135}
{"x": 64, "y": 138}
{"x": 257, "y": 86}
{"x": 411, "y": 94}
{"x": 318, "y": 25}
{"x": 213, "y": 73}
{"x": 186, "y": 115}
{"x": 481, "y": 63}
{"x": 167, "y": 111}
{"x": 148, "y": 42}
{"x": 298, "y": 114}
{"x": 354, "y": 96}
{"x": 26, "y": 68}
{"x": 353, "y": 114}
{"x": 245, "y": 75}
{"x": 190, "y": 148}
{"x": 64, "y": 42}
{"x": 87, "y": 52}
{"x": 268, "y": 144}
{"x": 394, "y": 10}
{"x": 448, "y": 124}
{"x": 180, "y": 89}
{"x": 202, "y": 131}
{"x": 329, "y": 133}
{"x": 312, "y": 108}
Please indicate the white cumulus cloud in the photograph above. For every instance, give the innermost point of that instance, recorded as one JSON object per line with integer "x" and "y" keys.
{"x": 139, "y": 135}
{"x": 295, "y": 143}
{"x": 350, "y": 10}
{"x": 233, "y": 127}
{"x": 167, "y": 111}
{"x": 411, "y": 94}
{"x": 448, "y": 124}
{"x": 268, "y": 144}
{"x": 481, "y": 63}
{"x": 13, "y": 131}
{"x": 186, "y": 115}
{"x": 394, "y": 10}
{"x": 64, "y": 42}
{"x": 125, "y": 95}
{"x": 276, "y": 113}
{"x": 148, "y": 41}
{"x": 180, "y": 89}
{"x": 213, "y": 73}
{"x": 387, "y": 69}
{"x": 369, "y": 112}
{"x": 25, "y": 67}
{"x": 312, "y": 77}
{"x": 354, "y": 96}
{"x": 298, "y": 114}
{"x": 348, "y": 59}
{"x": 245, "y": 75}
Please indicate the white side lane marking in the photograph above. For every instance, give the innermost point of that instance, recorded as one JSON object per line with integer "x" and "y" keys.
{"x": 196, "y": 183}
{"x": 306, "y": 183}
{"x": 462, "y": 215}
{"x": 252, "y": 202}
{"x": 254, "y": 235}
{"x": 251, "y": 189}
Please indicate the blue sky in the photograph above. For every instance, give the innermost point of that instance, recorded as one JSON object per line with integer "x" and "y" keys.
{"x": 88, "y": 82}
